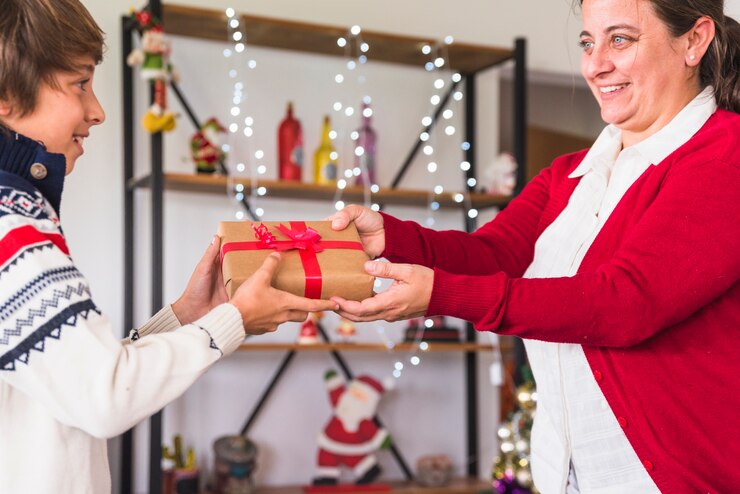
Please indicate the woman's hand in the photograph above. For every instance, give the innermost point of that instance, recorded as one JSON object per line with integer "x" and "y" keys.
{"x": 263, "y": 307}
{"x": 369, "y": 224}
{"x": 406, "y": 298}
{"x": 205, "y": 289}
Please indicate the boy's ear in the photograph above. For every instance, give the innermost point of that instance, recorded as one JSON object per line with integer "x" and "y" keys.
{"x": 5, "y": 108}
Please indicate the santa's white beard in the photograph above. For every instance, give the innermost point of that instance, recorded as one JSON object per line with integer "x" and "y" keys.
{"x": 351, "y": 411}
{"x": 211, "y": 135}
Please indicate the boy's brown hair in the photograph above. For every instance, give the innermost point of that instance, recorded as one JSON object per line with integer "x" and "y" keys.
{"x": 39, "y": 38}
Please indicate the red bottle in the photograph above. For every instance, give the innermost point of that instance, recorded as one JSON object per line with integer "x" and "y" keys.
{"x": 290, "y": 147}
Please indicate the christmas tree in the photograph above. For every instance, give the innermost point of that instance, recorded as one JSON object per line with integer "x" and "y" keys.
{"x": 511, "y": 470}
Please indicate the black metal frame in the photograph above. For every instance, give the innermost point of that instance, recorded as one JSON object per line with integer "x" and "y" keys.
{"x": 127, "y": 443}
{"x": 471, "y": 358}
{"x": 520, "y": 155}
{"x": 157, "y": 187}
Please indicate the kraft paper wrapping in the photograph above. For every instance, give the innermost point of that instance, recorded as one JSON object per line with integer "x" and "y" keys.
{"x": 341, "y": 269}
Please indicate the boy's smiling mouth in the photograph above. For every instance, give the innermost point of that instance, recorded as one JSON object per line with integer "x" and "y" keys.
{"x": 79, "y": 139}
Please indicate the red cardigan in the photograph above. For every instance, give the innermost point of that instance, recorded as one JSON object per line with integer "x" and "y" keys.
{"x": 655, "y": 303}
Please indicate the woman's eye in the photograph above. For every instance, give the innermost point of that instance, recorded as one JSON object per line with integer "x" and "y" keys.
{"x": 621, "y": 40}
{"x": 586, "y": 45}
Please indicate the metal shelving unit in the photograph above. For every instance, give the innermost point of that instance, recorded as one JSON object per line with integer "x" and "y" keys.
{"x": 469, "y": 60}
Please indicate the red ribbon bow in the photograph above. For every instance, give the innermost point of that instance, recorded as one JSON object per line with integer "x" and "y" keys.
{"x": 307, "y": 239}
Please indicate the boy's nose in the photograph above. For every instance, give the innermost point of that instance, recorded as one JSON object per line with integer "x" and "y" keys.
{"x": 95, "y": 113}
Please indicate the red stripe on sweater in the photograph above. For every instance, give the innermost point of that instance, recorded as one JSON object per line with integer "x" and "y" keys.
{"x": 26, "y": 236}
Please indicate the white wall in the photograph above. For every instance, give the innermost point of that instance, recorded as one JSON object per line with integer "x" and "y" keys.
{"x": 92, "y": 216}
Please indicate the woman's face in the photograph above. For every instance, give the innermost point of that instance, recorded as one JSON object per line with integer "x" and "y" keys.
{"x": 636, "y": 70}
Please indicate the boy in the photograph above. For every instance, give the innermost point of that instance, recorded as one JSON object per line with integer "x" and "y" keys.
{"x": 66, "y": 384}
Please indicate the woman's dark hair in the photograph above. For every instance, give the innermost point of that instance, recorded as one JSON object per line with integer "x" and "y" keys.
{"x": 720, "y": 66}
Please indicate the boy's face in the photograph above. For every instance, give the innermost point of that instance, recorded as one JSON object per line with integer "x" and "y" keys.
{"x": 63, "y": 116}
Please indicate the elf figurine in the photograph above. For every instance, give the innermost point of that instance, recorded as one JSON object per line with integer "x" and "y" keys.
{"x": 205, "y": 147}
{"x": 351, "y": 436}
{"x": 153, "y": 57}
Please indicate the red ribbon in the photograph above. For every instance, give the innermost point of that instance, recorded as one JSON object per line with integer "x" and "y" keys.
{"x": 306, "y": 240}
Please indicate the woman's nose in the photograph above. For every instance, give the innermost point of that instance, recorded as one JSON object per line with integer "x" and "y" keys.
{"x": 596, "y": 62}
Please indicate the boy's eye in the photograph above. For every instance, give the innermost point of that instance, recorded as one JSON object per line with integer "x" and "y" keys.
{"x": 83, "y": 84}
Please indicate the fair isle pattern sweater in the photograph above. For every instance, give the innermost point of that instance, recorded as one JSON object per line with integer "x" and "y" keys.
{"x": 66, "y": 383}
{"x": 655, "y": 303}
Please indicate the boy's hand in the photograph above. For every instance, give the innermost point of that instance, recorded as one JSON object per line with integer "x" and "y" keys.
{"x": 264, "y": 307}
{"x": 205, "y": 290}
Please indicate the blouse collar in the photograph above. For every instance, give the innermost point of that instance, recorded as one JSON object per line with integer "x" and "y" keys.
{"x": 658, "y": 146}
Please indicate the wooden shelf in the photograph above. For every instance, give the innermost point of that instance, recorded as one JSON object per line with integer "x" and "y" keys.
{"x": 365, "y": 347}
{"x": 220, "y": 184}
{"x": 456, "y": 486}
{"x": 320, "y": 39}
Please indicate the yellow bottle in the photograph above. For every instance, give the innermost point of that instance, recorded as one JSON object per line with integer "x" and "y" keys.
{"x": 325, "y": 158}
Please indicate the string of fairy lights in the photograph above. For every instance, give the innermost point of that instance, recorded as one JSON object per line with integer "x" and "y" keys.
{"x": 433, "y": 136}
{"x": 444, "y": 80}
{"x": 355, "y": 52}
{"x": 350, "y": 79}
{"x": 242, "y": 123}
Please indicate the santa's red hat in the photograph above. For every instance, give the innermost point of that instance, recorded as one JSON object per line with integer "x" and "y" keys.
{"x": 373, "y": 384}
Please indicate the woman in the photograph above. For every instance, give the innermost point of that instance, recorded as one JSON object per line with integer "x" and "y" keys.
{"x": 618, "y": 265}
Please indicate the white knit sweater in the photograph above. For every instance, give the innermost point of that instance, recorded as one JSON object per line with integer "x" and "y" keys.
{"x": 66, "y": 382}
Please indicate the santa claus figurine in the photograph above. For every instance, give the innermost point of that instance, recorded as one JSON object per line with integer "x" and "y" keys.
{"x": 351, "y": 437}
{"x": 205, "y": 146}
{"x": 309, "y": 333}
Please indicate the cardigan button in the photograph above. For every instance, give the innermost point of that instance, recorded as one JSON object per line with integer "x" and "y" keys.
{"x": 38, "y": 171}
{"x": 622, "y": 422}
{"x": 598, "y": 376}
{"x": 648, "y": 465}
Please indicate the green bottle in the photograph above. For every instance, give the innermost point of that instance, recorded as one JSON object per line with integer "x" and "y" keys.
{"x": 325, "y": 158}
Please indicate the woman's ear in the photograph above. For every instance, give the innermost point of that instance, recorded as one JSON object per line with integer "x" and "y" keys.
{"x": 699, "y": 37}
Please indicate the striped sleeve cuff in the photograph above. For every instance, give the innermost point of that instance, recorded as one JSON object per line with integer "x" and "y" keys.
{"x": 224, "y": 324}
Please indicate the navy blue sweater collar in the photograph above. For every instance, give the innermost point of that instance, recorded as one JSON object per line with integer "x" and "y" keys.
{"x": 18, "y": 153}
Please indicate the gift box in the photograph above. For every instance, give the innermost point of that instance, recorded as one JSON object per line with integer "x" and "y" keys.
{"x": 317, "y": 262}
